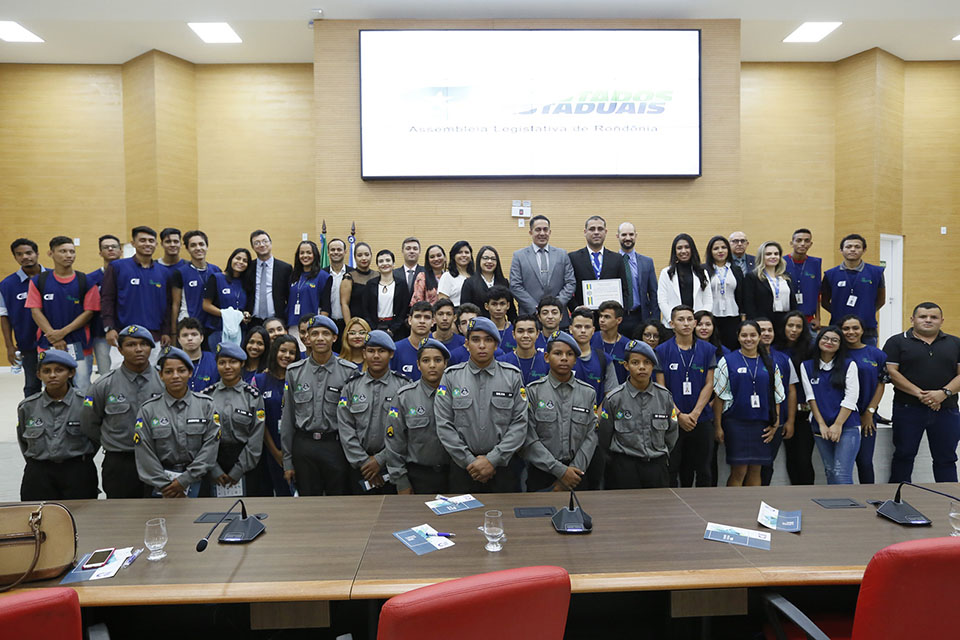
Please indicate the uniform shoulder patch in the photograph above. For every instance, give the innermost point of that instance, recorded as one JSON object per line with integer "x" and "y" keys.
{"x": 209, "y": 389}
{"x": 407, "y": 387}
{"x": 442, "y": 390}
{"x": 356, "y": 375}
{"x": 88, "y": 401}
{"x": 251, "y": 389}
{"x": 261, "y": 414}
{"x": 508, "y": 365}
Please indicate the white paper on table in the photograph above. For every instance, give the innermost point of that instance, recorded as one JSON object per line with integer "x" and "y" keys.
{"x": 113, "y": 564}
{"x": 437, "y": 541}
{"x": 768, "y": 515}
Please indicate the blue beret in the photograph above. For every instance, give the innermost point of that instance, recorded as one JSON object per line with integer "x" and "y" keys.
{"x": 56, "y": 356}
{"x": 639, "y": 346}
{"x": 486, "y": 325}
{"x": 231, "y": 350}
{"x": 565, "y": 338}
{"x": 173, "y": 352}
{"x": 378, "y": 338}
{"x": 433, "y": 343}
{"x": 135, "y": 331}
{"x": 323, "y": 321}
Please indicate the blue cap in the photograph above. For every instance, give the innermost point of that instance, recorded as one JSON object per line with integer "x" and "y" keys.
{"x": 231, "y": 350}
{"x": 56, "y": 356}
{"x": 323, "y": 321}
{"x": 136, "y": 331}
{"x": 173, "y": 352}
{"x": 565, "y": 338}
{"x": 484, "y": 324}
{"x": 378, "y": 338}
{"x": 639, "y": 346}
{"x": 433, "y": 343}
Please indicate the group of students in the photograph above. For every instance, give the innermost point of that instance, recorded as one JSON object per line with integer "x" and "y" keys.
{"x": 319, "y": 388}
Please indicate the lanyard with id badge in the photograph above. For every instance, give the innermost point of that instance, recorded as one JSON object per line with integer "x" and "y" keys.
{"x": 851, "y": 298}
{"x": 754, "y": 397}
{"x": 687, "y": 385}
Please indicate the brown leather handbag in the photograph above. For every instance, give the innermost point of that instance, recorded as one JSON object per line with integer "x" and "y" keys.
{"x": 37, "y": 542}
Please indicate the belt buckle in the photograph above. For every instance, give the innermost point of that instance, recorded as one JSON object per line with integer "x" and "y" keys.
{"x": 316, "y": 435}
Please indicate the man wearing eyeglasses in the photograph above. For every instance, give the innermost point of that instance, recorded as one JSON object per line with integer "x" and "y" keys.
{"x": 740, "y": 257}
{"x": 267, "y": 280}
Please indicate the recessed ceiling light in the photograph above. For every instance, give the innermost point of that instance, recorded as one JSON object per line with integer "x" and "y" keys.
{"x": 13, "y": 32}
{"x": 215, "y": 32}
{"x": 812, "y": 31}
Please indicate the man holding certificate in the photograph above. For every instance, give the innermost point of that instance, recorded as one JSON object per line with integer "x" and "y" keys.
{"x": 594, "y": 262}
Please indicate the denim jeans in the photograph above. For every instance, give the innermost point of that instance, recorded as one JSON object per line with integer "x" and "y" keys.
{"x": 943, "y": 433}
{"x": 838, "y": 457}
{"x": 101, "y": 351}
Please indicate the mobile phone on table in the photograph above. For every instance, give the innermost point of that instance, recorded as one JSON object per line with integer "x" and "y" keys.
{"x": 98, "y": 558}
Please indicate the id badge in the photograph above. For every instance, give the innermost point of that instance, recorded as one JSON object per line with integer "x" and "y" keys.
{"x": 687, "y": 388}
{"x": 852, "y": 301}
{"x": 73, "y": 351}
{"x": 799, "y": 298}
{"x": 296, "y": 309}
{"x": 754, "y": 401}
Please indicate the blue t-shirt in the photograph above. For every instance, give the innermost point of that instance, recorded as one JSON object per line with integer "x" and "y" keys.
{"x": 614, "y": 351}
{"x": 456, "y": 340}
{"x": 204, "y": 372}
{"x": 141, "y": 293}
{"x": 460, "y": 354}
{"x": 854, "y": 292}
{"x": 532, "y": 368}
{"x": 679, "y": 366}
{"x": 507, "y": 342}
{"x": 271, "y": 390}
{"x": 404, "y": 360}
{"x": 95, "y": 279}
{"x": 592, "y": 371}
{"x": 806, "y": 280}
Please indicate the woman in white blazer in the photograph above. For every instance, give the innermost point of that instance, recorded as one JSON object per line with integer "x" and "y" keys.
{"x": 684, "y": 281}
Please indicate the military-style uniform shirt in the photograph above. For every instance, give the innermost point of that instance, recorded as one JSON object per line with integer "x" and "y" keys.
{"x": 481, "y": 412}
{"x": 414, "y": 438}
{"x": 112, "y": 403}
{"x": 179, "y": 435}
{"x": 643, "y": 423}
{"x": 310, "y": 397}
{"x": 50, "y": 430}
{"x": 562, "y": 427}
{"x": 366, "y": 411}
{"x": 241, "y": 415}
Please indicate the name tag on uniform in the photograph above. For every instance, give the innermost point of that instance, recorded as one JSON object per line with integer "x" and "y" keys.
{"x": 687, "y": 388}
{"x": 196, "y": 420}
{"x": 242, "y": 412}
{"x": 334, "y": 389}
{"x": 852, "y": 301}
{"x": 503, "y": 394}
{"x": 754, "y": 401}
{"x": 799, "y": 297}
{"x": 661, "y": 416}
{"x": 581, "y": 409}
{"x": 73, "y": 423}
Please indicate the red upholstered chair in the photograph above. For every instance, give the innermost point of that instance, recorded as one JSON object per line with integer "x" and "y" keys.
{"x": 41, "y": 614}
{"x": 908, "y": 592}
{"x": 519, "y": 604}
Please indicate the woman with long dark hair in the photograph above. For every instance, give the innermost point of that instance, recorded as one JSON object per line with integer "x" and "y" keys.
{"x": 832, "y": 386}
{"x": 225, "y": 291}
{"x": 684, "y": 280}
{"x": 306, "y": 284}
{"x": 750, "y": 386}
{"x": 461, "y": 268}
{"x": 872, "y": 370}
{"x": 353, "y": 288}
{"x": 256, "y": 344}
{"x": 726, "y": 284}
{"x": 793, "y": 338}
{"x": 284, "y": 351}
{"x": 487, "y": 274}
{"x": 426, "y": 282}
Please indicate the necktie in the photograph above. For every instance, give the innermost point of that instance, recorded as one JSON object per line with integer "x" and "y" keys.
{"x": 542, "y": 260}
{"x": 630, "y": 276}
{"x": 262, "y": 293}
{"x": 596, "y": 263}
{"x": 410, "y": 275}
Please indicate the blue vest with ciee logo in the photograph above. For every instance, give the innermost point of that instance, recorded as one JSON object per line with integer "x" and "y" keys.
{"x": 141, "y": 293}
{"x": 806, "y": 280}
{"x": 404, "y": 360}
{"x": 740, "y": 371}
{"x": 14, "y": 292}
{"x": 863, "y": 284}
{"x": 204, "y": 372}
{"x": 194, "y": 282}
{"x": 229, "y": 295}
{"x": 62, "y": 303}
{"x": 828, "y": 397}
{"x": 871, "y": 365}
{"x": 782, "y": 361}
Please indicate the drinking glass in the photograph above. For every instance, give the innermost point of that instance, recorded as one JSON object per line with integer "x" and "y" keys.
{"x": 955, "y": 517}
{"x": 493, "y": 530}
{"x": 155, "y": 538}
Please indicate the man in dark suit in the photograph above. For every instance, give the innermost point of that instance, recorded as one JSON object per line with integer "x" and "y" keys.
{"x": 738, "y": 252}
{"x": 541, "y": 270}
{"x": 267, "y": 280}
{"x": 594, "y": 262}
{"x": 410, "y": 250}
{"x": 640, "y": 302}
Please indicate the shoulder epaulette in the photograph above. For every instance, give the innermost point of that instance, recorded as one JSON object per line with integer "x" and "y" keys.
{"x": 30, "y": 398}
{"x": 209, "y": 389}
{"x": 543, "y": 380}
{"x": 507, "y": 365}
{"x": 407, "y": 387}
{"x": 356, "y": 375}
{"x": 251, "y": 389}
{"x": 298, "y": 363}
{"x": 402, "y": 376}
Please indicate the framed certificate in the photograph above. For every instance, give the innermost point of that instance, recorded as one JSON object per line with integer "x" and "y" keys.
{"x": 596, "y": 292}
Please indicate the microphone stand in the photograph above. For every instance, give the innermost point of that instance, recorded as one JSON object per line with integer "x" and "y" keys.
{"x": 902, "y": 512}
{"x": 243, "y": 529}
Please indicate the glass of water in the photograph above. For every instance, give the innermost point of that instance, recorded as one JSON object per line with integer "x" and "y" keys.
{"x": 955, "y": 517}
{"x": 155, "y": 538}
{"x": 493, "y": 530}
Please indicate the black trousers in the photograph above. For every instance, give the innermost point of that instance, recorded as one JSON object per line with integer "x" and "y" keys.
{"x": 503, "y": 481}
{"x": 321, "y": 468}
{"x": 120, "y": 477}
{"x": 31, "y": 383}
{"x": 72, "y": 479}
{"x": 799, "y": 451}
{"x": 539, "y": 480}
{"x": 628, "y": 472}
{"x": 690, "y": 458}
{"x": 227, "y": 456}
{"x": 726, "y": 330}
{"x": 766, "y": 473}
{"x": 428, "y": 480}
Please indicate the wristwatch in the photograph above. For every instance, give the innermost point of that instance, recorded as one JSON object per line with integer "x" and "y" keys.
{"x": 871, "y": 409}
{"x": 947, "y": 392}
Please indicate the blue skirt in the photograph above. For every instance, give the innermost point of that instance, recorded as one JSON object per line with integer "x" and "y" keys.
{"x": 744, "y": 442}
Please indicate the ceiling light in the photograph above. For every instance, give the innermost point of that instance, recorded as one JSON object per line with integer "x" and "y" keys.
{"x": 13, "y": 32}
{"x": 215, "y": 32}
{"x": 812, "y": 31}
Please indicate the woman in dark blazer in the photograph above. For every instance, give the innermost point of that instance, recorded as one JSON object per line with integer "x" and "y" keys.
{"x": 726, "y": 280}
{"x": 487, "y": 274}
{"x": 386, "y": 294}
{"x": 767, "y": 290}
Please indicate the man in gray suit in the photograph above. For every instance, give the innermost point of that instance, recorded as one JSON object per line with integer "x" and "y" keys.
{"x": 541, "y": 270}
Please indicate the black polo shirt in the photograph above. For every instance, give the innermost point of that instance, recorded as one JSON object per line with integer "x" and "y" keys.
{"x": 929, "y": 366}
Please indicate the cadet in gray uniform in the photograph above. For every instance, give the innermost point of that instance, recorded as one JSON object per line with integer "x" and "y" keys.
{"x": 481, "y": 410}
{"x": 110, "y": 412}
{"x": 367, "y": 412}
{"x": 417, "y": 461}
{"x": 176, "y": 435}
{"x": 562, "y": 431}
{"x": 309, "y": 435}
{"x": 59, "y": 456}
{"x": 239, "y": 408}
{"x": 638, "y": 425}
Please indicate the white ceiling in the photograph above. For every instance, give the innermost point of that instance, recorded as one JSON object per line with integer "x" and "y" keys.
{"x": 114, "y": 31}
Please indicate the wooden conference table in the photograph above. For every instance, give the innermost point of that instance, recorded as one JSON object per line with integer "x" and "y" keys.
{"x": 322, "y": 549}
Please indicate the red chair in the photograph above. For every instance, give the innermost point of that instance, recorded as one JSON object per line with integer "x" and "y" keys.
{"x": 908, "y": 592}
{"x": 41, "y": 614}
{"x": 516, "y": 604}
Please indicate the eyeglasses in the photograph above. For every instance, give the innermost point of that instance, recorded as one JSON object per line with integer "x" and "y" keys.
{"x": 651, "y": 336}
{"x": 829, "y": 340}
{"x": 261, "y": 243}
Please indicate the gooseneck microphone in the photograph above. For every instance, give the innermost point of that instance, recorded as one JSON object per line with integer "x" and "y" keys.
{"x": 242, "y": 529}
{"x": 902, "y": 512}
